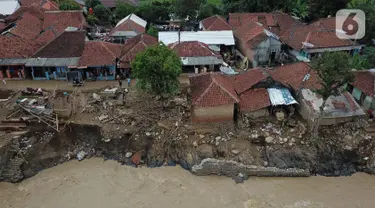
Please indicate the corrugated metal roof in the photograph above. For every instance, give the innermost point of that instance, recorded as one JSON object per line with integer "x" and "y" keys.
{"x": 53, "y": 61}
{"x": 8, "y": 7}
{"x": 12, "y": 61}
{"x": 208, "y": 37}
{"x": 124, "y": 34}
{"x": 281, "y": 96}
{"x": 205, "y": 60}
{"x": 134, "y": 18}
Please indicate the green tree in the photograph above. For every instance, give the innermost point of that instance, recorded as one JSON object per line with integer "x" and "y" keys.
{"x": 92, "y": 3}
{"x": 92, "y": 19}
{"x": 334, "y": 71}
{"x": 155, "y": 11}
{"x": 69, "y": 5}
{"x": 187, "y": 8}
{"x": 153, "y": 31}
{"x": 102, "y": 13}
{"x": 323, "y": 8}
{"x": 157, "y": 70}
{"x": 122, "y": 10}
{"x": 208, "y": 10}
{"x": 300, "y": 9}
{"x": 368, "y": 6}
{"x": 369, "y": 54}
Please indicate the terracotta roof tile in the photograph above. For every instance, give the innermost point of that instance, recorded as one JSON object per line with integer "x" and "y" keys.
{"x": 319, "y": 38}
{"x": 192, "y": 49}
{"x": 254, "y": 99}
{"x": 67, "y": 45}
{"x": 15, "y": 47}
{"x": 212, "y": 89}
{"x": 236, "y": 20}
{"x": 129, "y": 25}
{"x": 251, "y": 33}
{"x": 285, "y": 23}
{"x": 133, "y": 46}
{"x": 99, "y": 53}
{"x": 28, "y": 27}
{"x": 248, "y": 79}
{"x": 365, "y": 81}
{"x": 33, "y": 9}
{"x": 293, "y": 74}
{"x": 216, "y": 23}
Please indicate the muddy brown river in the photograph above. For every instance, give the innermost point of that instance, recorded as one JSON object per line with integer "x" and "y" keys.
{"x": 94, "y": 183}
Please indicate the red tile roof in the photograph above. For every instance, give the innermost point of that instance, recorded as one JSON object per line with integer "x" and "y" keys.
{"x": 285, "y": 23}
{"x": 28, "y": 27}
{"x": 192, "y": 49}
{"x": 254, "y": 99}
{"x": 236, "y": 20}
{"x": 99, "y": 53}
{"x": 32, "y": 9}
{"x": 129, "y": 25}
{"x": 216, "y": 23}
{"x": 293, "y": 75}
{"x": 251, "y": 33}
{"x": 133, "y": 46}
{"x": 2, "y": 26}
{"x": 55, "y": 23}
{"x": 15, "y": 47}
{"x": 212, "y": 89}
{"x": 51, "y": 6}
{"x": 112, "y": 3}
{"x": 248, "y": 79}
{"x": 66, "y": 45}
{"x": 325, "y": 23}
{"x": 365, "y": 81}
{"x": 319, "y": 38}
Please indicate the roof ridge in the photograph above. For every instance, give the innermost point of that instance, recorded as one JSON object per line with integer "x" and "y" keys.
{"x": 205, "y": 91}
{"x": 223, "y": 88}
{"x": 102, "y": 43}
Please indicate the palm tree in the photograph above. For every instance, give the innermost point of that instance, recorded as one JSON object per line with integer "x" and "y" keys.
{"x": 300, "y": 9}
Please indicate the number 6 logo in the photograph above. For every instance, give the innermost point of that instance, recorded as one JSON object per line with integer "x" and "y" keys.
{"x": 350, "y": 24}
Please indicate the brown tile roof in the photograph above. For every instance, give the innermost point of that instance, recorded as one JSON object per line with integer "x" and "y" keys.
{"x": 254, "y": 99}
{"x": 2, "y": 26}
{"x": 68, "y": 44}
{"x": 129, "y": 25}
{"x": 15, "y": 47}
{"x": 112, "y": 3}
{"x": 212, "y": 89}
{"x": 99, "y": 53}
{"x": 32, "y": 9}
{"x": 285, "y": 23}
{"x": 216, "y": 23}
{"x": 28, "y": 27}
{"x": 50, "y": 5}
{"x": 293, "y": 74}
{"x": 133, "y": 46}
{"x": 251, "y": 33}
{"x": 192, "y": 49}
{"x": 236, "y": 20}
{"x": 248, "y": 79}
{"x": 325, "y": 23}
{"x": 365, "y": 81}
{"x": 55, "y": 23}
{"x": 319, "y": 38}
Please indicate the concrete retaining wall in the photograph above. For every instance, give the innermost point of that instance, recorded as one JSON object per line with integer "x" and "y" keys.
{"x": 231, "y": 168}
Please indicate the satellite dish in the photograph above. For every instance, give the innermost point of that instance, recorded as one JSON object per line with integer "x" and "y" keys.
{"x": 306, "y": 44}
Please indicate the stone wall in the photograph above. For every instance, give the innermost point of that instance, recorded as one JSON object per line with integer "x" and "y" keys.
{"x": 257, "y": 114}
{"x": 231, "y": 168}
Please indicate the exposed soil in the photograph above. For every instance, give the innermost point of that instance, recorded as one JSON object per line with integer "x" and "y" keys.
{"x": 155, "y": 131}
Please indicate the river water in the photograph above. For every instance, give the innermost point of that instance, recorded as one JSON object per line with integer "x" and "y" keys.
{"x": 94, "y": 183}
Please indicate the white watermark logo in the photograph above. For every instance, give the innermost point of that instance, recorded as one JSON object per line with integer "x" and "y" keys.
{"x": 350, "y": 24}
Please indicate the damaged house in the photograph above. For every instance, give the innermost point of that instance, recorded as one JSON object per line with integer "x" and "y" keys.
{"x": 197, "y": 57}
{"x": 260, "y": 46}
{"x": 363, "y": 88}
{"x": 304, "y": 80}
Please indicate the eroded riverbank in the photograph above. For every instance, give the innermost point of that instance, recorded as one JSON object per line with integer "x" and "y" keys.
{"x": 94, "y": 183}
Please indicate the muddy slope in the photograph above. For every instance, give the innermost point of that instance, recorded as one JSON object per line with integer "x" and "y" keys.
{"x": 26, "y": 155}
